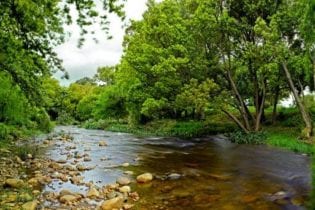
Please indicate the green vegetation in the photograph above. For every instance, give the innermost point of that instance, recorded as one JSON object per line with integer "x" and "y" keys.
{"x": 189, "y": 68}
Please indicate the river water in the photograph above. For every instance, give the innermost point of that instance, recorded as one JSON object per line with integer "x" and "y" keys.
{"x": 201, "y": 173}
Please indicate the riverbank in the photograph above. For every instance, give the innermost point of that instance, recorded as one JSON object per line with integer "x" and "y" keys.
{"x": 286, "y": 137}
{"x": 86, "y": 165}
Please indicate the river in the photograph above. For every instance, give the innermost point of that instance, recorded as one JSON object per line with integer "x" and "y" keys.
{"x": 200, "y": 173}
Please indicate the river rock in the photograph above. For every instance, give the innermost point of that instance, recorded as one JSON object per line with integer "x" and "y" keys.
{"x": 125, "y": 164}
{"x": 123, "y": 181}
{"x": 81, "y": 167}
{"x": 128, "y": 172}
{"x": 144, "y": 178}
{"x": 15, "y": 183}
{"x": 114, "y": 203}
{"x": 55, "y": 166}
{"x": 174, "y": 176}
{"x": 87, "y": 159}
{"x": 68, "y": 199}
{"x": 102, "y": 143}
{"x": 62, "y": 161}
{"x": 125, "y": 189}
{"x": 32, "y": 205}
{"x": 92, "y": 193}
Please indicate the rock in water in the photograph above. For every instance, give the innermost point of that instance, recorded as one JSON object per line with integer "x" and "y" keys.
{"x": 125, "y": 189}
{"x": 114, "y": 203}
{"x": 123, "y": 181}
{"x": 29, "y": 205}
{"x": 14, "y": 183}
{"x": 92, "y": 193}
{"x": 144, "y": 178}
{"x": 102, "y": 144}
{"x": 174, "y": 176}
{"x": 68, "y": 199}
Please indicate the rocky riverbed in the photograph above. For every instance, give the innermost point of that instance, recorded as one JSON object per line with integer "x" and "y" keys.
{"x": 86, "y": 169}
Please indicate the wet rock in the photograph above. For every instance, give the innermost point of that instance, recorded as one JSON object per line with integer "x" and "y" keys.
{"x": 174, "y": 176}
{"x": 297, "y": 201}
{"x": 249, "y": 198}
{"x": 62, "y": 161}
{"x": 279, "y": 196}
{"x": 144, "y": 178}
{"x": 128, "y": 172}
{"x": 114, "y": 203}
{"x": 68, "y": 199}
{"x": 125, "y": 189}
{"x": 76, "y": 179}
{"x": 87, "y": 159}
{"x": 125, "y": 164}
{"x": 128, "y": 206}
{"x": 14, "y": 183}
{"x": 46, "y": 142}
{"x": 123, "y": 181}
{"x": 220, "y": 177}
{"x": 81, "y": 168}
{"x": 134, "y": 196}
{"x": 55, "y": 166}
{"x": 32, "y": 205}
{"x": 65, "y": 192}
{"x": 93, "y": 193}
{"x": 102, "y": 143}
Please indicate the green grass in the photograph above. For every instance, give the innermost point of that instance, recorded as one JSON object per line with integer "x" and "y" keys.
{"x": 287, "y": 138}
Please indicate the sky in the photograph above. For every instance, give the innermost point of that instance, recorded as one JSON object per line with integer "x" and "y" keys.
{"x": 84, "y": 61}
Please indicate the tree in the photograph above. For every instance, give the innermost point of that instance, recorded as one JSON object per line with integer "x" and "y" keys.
{"x": 283, "y": 37}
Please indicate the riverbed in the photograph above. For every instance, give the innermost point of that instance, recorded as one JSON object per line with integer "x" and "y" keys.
{"x": 200, "y": 173}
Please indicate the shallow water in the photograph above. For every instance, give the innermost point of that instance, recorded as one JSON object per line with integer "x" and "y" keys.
{"x": 214, "y": 173}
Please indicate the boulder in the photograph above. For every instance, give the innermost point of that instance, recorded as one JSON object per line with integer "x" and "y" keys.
{"x": 114, "y": 203}
{"x": 144, "y": 178}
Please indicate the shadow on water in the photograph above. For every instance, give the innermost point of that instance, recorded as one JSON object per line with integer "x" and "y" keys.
{"x": 203, "y": 173}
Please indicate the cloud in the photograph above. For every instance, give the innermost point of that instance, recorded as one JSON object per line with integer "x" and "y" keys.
{"x": 83, "y": 62}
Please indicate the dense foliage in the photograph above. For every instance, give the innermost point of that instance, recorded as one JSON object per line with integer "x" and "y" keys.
{"x": 195, "y": 59}
{"x": 29, "y": 31}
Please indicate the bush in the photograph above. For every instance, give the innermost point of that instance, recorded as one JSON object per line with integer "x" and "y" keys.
{"x": 240, "y": 137}
{"x": 24, "y": 150}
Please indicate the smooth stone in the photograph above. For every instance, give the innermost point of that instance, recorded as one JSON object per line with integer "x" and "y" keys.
{"x": 114, "y": 203}
{"x": 32, "y": 205}
{"x": 125, "y": 164}
{"x": 102, "y": 143}
{"x": 68, "y": 198}
{"x": 87, "y": 159}
{"x": 125, "y": 189}
{"x": 93, "y": 193}
{"x": 174, "y": 176}
{"x": 128, "y": 172}
{"x": 123, "y": 181}
{"x": 144, "y": 178}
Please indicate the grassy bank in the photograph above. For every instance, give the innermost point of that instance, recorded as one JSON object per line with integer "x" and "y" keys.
{"x": 185, "y": 129}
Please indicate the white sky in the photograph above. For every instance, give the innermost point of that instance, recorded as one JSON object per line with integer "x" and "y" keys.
{"x": 83, "y": 62}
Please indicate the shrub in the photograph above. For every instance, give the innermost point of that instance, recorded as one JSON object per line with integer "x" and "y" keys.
{"x": 240, "y": 137}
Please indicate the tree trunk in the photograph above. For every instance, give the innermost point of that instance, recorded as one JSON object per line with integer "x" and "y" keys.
{"x": 308, "y": 130}
{"x": 260, "y": 108}
{"x": 275, "y": 103}
{"x": 239, "y": 123}
{"x": 241, "y": 102}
